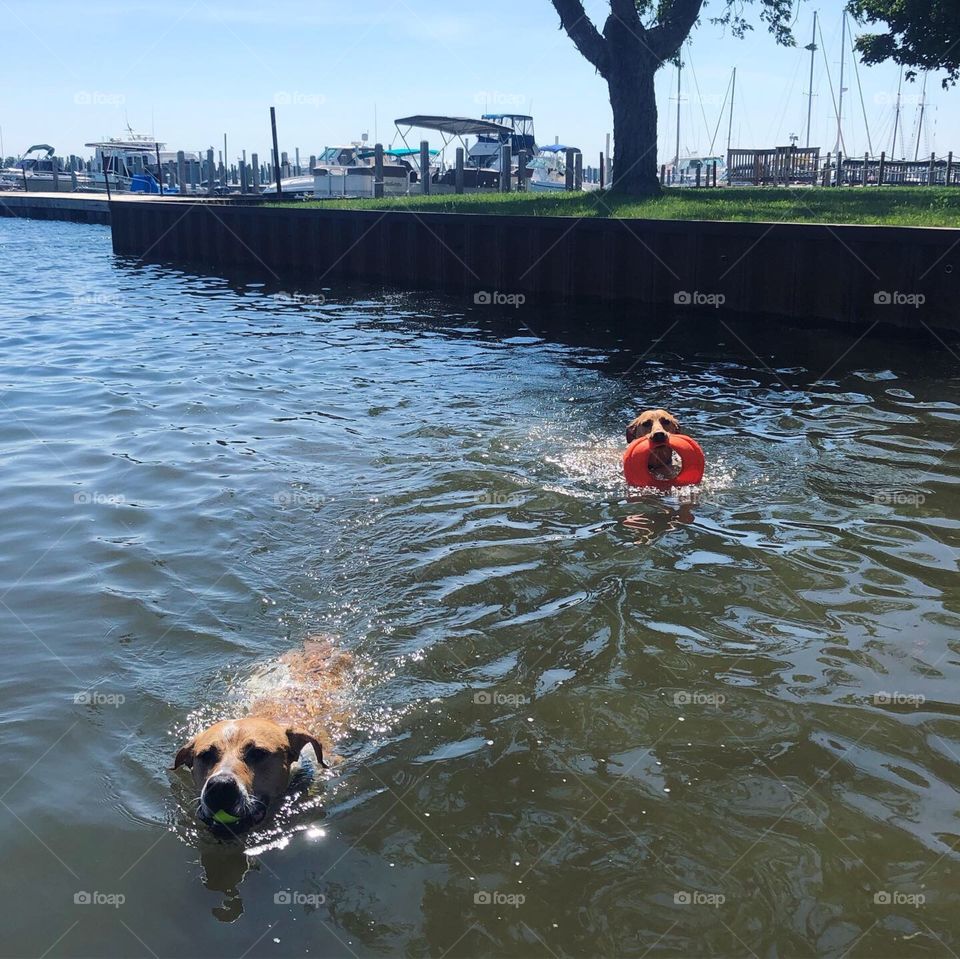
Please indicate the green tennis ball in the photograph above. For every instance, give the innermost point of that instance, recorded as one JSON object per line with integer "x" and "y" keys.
{"x": 224, "y": 818}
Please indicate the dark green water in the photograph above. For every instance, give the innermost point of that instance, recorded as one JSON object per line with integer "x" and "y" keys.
{"x": 718, "y": 726}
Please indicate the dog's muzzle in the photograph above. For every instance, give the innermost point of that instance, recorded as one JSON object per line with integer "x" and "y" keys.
{"x": 223, "y": 793}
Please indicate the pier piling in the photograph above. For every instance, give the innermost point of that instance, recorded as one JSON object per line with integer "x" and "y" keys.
{"x": 458, "y": 173}
{"x": 424, "y": 167}
{"x": 378, "y": 170}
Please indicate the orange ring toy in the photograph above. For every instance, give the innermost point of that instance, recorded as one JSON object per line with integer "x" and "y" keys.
{"x": 636, "y": 458}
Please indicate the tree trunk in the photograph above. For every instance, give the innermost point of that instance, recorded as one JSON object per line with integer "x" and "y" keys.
{"x": 634, "y": 103}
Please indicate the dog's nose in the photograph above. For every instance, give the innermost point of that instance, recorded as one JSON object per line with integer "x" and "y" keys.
{"x": 659, "y": 437}
{"x": 221, "y": 792}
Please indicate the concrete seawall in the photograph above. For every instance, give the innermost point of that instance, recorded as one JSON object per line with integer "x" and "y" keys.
{"x": 801, "y": 273}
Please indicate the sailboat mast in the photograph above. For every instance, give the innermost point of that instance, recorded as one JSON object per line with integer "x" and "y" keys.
{"x": 923, "y": 100}
{"x": 733, "y": 93}
{"x": 843, "y": 51}
{"x": 896, "y": 119}
{"x": 676, "y": 162}
{"x": 813, "y": 49}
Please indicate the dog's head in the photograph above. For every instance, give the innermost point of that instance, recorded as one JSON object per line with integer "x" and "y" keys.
{"x": 241, "y": 767}
{"x": 656, "y": 424}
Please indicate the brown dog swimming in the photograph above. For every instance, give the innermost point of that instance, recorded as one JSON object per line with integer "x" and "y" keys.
{"x": 243, "y": 766}
{"x": 657, "y": 425}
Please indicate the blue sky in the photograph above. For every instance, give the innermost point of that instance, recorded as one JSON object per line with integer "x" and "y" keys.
{"x": 191, "y": 70}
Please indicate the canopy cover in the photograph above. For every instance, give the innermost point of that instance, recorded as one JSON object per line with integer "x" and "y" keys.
{"x": 455, "y": 126}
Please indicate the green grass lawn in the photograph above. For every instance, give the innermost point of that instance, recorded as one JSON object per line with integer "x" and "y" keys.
{"x": 896, "y": 206}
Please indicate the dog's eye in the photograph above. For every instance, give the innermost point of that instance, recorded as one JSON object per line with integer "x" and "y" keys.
{"x": 254, "y": 754}
{"x": 209, "y": 755}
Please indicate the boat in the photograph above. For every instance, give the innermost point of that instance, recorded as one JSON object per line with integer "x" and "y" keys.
{"x": 517, "y": 133}
{"x": 40, "y": 170}
{"x": 120, "y": 159}
{"x": 685, "y": 169}
{"x": 549, "y": 169}
{"x": 348, "y": 170}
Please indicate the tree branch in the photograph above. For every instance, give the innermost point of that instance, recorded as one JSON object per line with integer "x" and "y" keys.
{"x": 582, "y": 32}
{"x": 675, "y": 25}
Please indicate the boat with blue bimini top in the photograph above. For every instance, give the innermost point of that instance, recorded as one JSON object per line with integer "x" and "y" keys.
{"x": 548, "y": 169}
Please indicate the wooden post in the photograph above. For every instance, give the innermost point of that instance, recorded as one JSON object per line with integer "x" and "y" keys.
{"x": 424, "y": 167}
{"x": 882, "y": 170}
{"x": 697, "y": 183}
{"x": 297, "y": 160}
{"x": 276, "y": 149}
{"x": 663, "y": 173}
{"x": 602, "y": 171}
{"x": 569, "y": 170}
{"x": 578, "y": 171}
{"x": 156, "y": 147}
{"x": 255, "y": 170}
{"x": 458, "y": 172}
{"x": 522, "y": 171}
{"x": 378, "y": 170}
{"x": 930, "y": 174}
{"x": 949, "y": 168}
{"x": 838, "y": 181}
{"x": 56, "y": 175}
{"x": 506, "y": 167}
{"x": 243, "y": 177}
{"x": 313, "y": 163}
{"x": 74, "y": 185}
{"x": 181, "y": 173}
{"x": 210, "y": 180}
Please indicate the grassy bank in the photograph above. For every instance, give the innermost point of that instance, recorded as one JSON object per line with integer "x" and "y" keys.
{"x": 891, "y": 206}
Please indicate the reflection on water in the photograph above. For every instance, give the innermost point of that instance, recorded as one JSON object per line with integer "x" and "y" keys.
{"x": 586, "y": 721}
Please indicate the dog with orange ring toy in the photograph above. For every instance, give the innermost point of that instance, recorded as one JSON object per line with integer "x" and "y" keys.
{"x": 659, "y": 455}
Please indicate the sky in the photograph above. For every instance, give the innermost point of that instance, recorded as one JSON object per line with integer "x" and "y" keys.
{"x": 190, "y": 71}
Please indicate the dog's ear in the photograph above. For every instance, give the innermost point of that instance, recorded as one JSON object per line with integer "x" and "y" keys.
{"x": 184, "y": 756}
{"x": 297, "y": 738}
{"x": 632, "y": 428}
